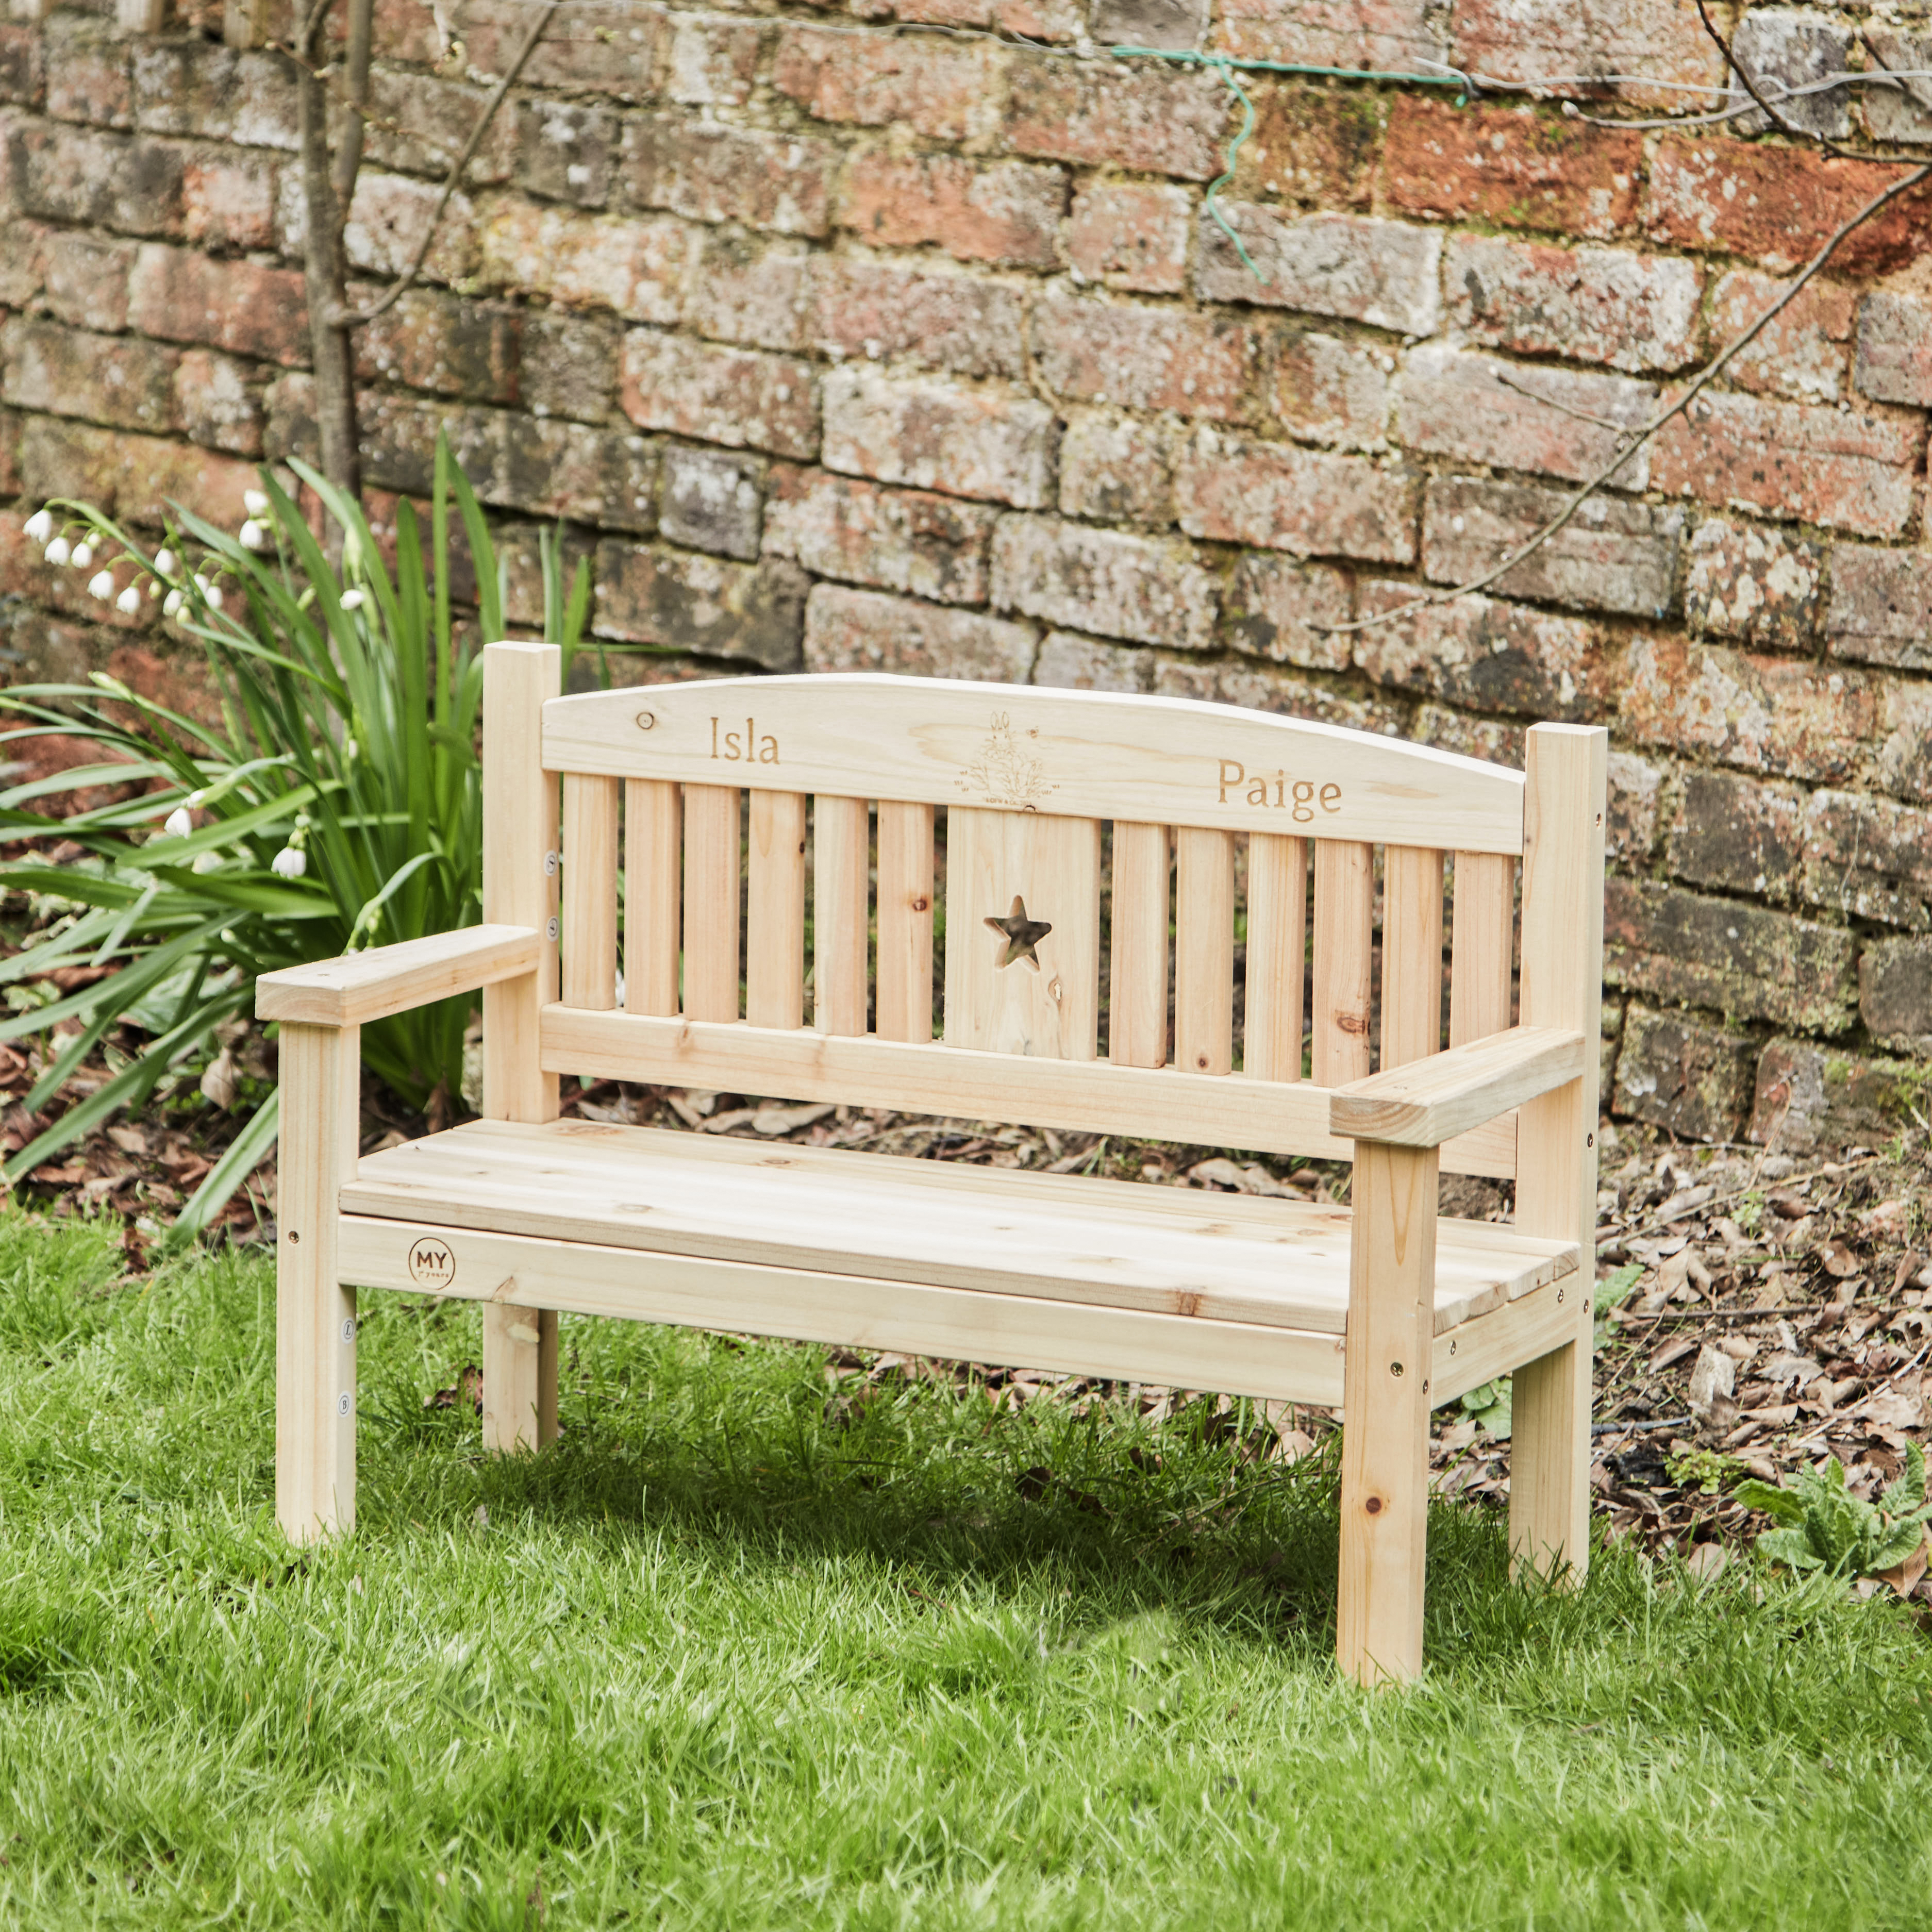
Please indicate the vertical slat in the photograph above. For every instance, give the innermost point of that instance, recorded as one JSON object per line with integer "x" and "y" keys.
{"x": 1137, "y": 974}
{"x": 653, "y": 845}
{"x": 1344, "y": 886}
{"x": 902, "y": 996}
{"x": 1385, "y": 1407}
{"x": 1277, "y": 956}
{"x": 775, "y": 911}
{"x": 840, "y": 865}
{"x": 589, "y": 892}
{"x": 1556, "y": 1136}
{"x": 711, "y": 882}
{"x": 519, "y": 888}
{"x": 1204, "y": 950}
{"x": 1482, "y": 939}
{"x": 140, "y": 16}
{"x": 1411, "y": 954}
{"x": 315, "y": 1315}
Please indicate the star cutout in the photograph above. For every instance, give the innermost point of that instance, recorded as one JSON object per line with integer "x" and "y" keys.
{"x": 1021, "y": 934}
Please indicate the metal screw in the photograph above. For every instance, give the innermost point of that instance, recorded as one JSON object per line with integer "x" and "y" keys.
{"x": 1395, "y": 1368}
{"x": 293, "y": 1237}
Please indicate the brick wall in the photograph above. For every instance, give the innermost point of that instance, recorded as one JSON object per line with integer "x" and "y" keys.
{"x": 871, "y": 348}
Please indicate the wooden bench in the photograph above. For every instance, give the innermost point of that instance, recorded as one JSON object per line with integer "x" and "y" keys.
{"x": 1066, "y": 816}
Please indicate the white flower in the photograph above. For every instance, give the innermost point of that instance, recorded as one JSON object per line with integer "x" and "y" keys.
{"x": 101, "y": 585}
{"x": 352, "y": 600}
{"x": 40, "y": 527}
{"x": 214, "y": 596}
{"x": 153, "y": 588}
{"x": 288, "y": 863}
{"x": 57, "y": 552}
{"x": 207, "y": 862}
{"x": 166, "y": 562}
{"x": 201, "y": 584}
{"x": 253, "y": 536}
{"x": 256, "y": 502}
{"x": 351, "y": 751}
{"x": 83, "y": 554}
{"x": 171, "y": 605}
{"x": 129, "y": 602}
{"x": 195, "y": 797}
{"x": 179, "y": 824}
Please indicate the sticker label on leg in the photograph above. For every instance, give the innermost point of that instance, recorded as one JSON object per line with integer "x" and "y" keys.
{"x": 349, "y": 1328}
{"x": 343, "y": 1403}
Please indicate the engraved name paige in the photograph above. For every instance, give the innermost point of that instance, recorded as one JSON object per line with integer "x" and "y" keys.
{"x": 747, "y": 747}
{"x": 1300, "y": 798}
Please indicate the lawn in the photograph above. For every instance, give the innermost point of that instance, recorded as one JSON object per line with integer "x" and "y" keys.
{"x": 736, "y": 1655}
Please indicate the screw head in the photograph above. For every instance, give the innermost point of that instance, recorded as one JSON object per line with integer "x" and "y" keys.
{"x": 1395, "y": 1369}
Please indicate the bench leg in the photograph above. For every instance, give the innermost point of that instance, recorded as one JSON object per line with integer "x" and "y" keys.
{"x": 519, "y": 1378}
{"x": 1549, "y": 1464}
{"x": 315, "y": 1315}
{"x": 1385, "y": 1433}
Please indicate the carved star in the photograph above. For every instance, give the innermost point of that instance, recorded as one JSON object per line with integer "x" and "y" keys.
{"x": 1021, "y": 934}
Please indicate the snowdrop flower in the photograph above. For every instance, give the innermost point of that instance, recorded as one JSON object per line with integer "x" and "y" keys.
{"x": 83, "y": 554}
{"x": 207, "y": 862}
{"x": 253, "y": 536}
{"x": 352, "y": 600}
{"x": 195, "y": 797}
{"x": 289, "y": 863}
{"x": 166, "y": 562}
{"x": 351, "y": 751}
{"x": 171, "y": 607}
{"x": 40, "y": 527}
{"x": 129, "y": 602}
{"x": 256, "y": 502}
{"x": 201, "y": 584}
{"x": 214, "y": 596}
{"x": 178, "y": 824}
{"x": 101, "y": 585}
{"x": 57, "y": 552}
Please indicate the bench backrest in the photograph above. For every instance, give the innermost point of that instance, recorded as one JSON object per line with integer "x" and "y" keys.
{"x": 1091, "y": 840}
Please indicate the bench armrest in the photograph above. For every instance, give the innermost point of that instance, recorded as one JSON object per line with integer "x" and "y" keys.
{"x": 1431, "y": 1101}
{"x": 358, "y": 987}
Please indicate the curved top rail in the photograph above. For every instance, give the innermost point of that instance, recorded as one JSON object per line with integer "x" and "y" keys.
{"x": 1099, "y": 754}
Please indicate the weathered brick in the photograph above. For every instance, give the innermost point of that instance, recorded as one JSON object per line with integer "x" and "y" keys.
{"x": 1259, "y": 687}
{"x": 568, "y": 365}
{"x": 1778, "y": 205}
{"x": 636, "y": 268}
{"x": 1849, "y": 470}
{"x": 1116, "y": 469}
{"x": 1068, "y": 661}
{"x": 1146, "y": 590}
{"x": 567, "y": 151}
{"x": 1636, "y": 792}
{"x": 987, "y": 442}
{"x": 9, "y": 454}
{"x": 1313, "y": 502}
{"x": 934, "y": 547}
{"x": 1129, "y": 236}
{"x": 241, "y": 307}
{"x": 749, "y": 291}
{"x": 595, "y": 50}
{"x": 1899, "y": 113}
{"x": 87, "y": 73}
{"x": 1758, "y": 584}
{"x": 1895, "y": 994}
{"x": 1801, "y": 355}
{"x": 710, "y": 172}
{"x": 712, "y": 63}
{"x": 1174, "y": 24}
{"x": 228, "y": 199}
{"x": 23, "y": 63}
{"x": 389, "y": 215}
{"x": 1609, "y": 305}
{"x": 1328, "y": 390}
{"x": 1273, "y": 608}
{"x": 86, "y": 279}
{"x": 1009, "y": 211}
{"x": 739, "y": 397}
{"x": 1312, "y": 145}
{"x": 1693, "y": 1079}
{"x": 1552, "y": 40}
{"x": 1053, "y": 21}
{"x": 1333, "y": 33}
{"x": 72, "y": 372}
{"x": 131, "y": 476}
{"x": 440, "y": 342}
{"x": 1489, "y": 738}
{"x": 421, "y": 122}
{"x": 24, "y": 249}
{"x": 1904, "y": 763}
{"x": 1519, "y": 167}
{"x": 102, "y": 180}
{"x": 864, "y": 630}
{"x": 190, "y": 87}
{"x": 948, "y": 92}
{"x": 1881, "y": 608}
{"x": 214, "y": 404}
{"x": 1484, "y": 654}
{"x": 1760, "y": 714}
{"x": 747, "y": 613}
{"x": 1734, "y": 832}
{"x": 1777, "y": 49}
{"x": 1811, "y": 1099}
{"x": 860, "y": 305}
{"x": 712, "y": 501}
{"x": 1895, "y": 348}
{"x": 1866, "y": 857}
{"x": 1097, "y": 113}
{"x": 1145, "y": 358}
{"x": 1356, "y": 266}
{"x": 1518, "y": 415}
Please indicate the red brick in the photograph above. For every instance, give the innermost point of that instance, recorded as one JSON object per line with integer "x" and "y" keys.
{"x": 10, "y": 463}
{"x": 87, "y": 72}
{"x": 1779, "y": 206}
{"x": 1276, "y": 610}
{"x": 86, "y": 280}
{"x": 746, "y": 290}
{"x": 431, "y": 340}
{"x": 737, "y": 396}
{"x": 744, "y": 613}
{"x": 1051, "y": 20}
{"x": 863, "y": 306}
{"x": 1147, "y": 589}
{"x": 1152, "y": 121}
{"x": 23, "y": 72}
{"x": 1312, "y": 145}
{"x": 1068, "y": 661}
{"x": 72, "y": 372}
{"x": 1802, "y": 356}
{"x": 991, "y": 443}
{"x": 1007, "y": 212}
{"x": 1130, "y": 236}
{"x": 1550, "y": 40}
{"x": 1331, "y": 33}
{"x": 1385, "y": 273}
{"x": 1258, "y": 687}
{"x": 1752, "y": 583}
{"x": 1693, "y": 1080}
{"x": 636, "y": 268}
{"x": 1895, "y": 348}
{"x": 77, "y": 175}
{"x": 238, "y": 306}
{"x": 214, "y": 405}
{"x": 713, "y": 173}
{"x": 1635, "y": 789}
{"x": 1519, "y": 167}
{"x": 1327, "y": 390}
{"x": 1881, "y": 608}
{"x": 571, "y": 470}
{"x": 23, "y": 266}
{"x": 934, "y": 547}
{"x": 1116, "y": 469}
{"x": 567, "y": 151}
{"x": 228, "y": 200}
{"x": 947, "y": 92}
{"x": 1310, "y": 501}
{"x": 1849, "y": 470}
{"x": 861, "y": 630}
{"x": 1145, "y": 358}
{"x": 1868, "y": 858}
{"x": 131, "y": 476}
{"x": 426, "y": 121}
{"x": 387, "y": 214}
{"x": 712, "y": 63}
{"x": 712, "y": 500}
{"x": 1634, "y": 312}
{"x": 1474, "y": 406}
{"x": 604, "y": 52}
{"x": 1736, "y": 833}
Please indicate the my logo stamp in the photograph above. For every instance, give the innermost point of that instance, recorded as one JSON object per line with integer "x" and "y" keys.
{"x": 432, "y": 1264}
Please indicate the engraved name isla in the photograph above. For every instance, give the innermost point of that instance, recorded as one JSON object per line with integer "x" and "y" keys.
{"x": 749, "y": 748}
{"x": 1301, "y": 799}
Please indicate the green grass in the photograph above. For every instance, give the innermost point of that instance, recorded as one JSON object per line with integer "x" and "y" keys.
{"x": 717, "y": 1662}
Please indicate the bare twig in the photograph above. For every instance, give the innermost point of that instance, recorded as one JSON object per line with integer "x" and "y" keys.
{"x": 1550, "y": 402}
{"x": 1776, "y": 120}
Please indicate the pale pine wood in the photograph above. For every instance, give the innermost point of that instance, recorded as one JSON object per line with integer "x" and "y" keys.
{"x": 1411, "y": 954}
{"x": 775, "y": 911}
{"x": 1431, "y": 1101}
{"x": 1277, "y": 956}
{"x": 711, "y": 896}
{"x": 244, "y": 23}
{"x": 359, "y": 987}
{"x": 1482, "y": 946}
{"x": 653, "y": 890}
{"x": 315, "y": 1315}
{"x": 841, "y": 856}
{"x": 589, "y": 892}
{"x": 1204, "y": 950}
{"x": 1385, "y": 1433}
{"x": 1345, "y": 894}
{"x": 1137, "y": 970}
{"x": 1091, "y": 754}
{"x": 902, "y": 996}
{"x": 1498, "y": 1340}
{"x": 1556, "y": 1183}
{"x": 141, "y": 17}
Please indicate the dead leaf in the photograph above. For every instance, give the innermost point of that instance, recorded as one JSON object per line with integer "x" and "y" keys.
{"x": 467, "y": 1388}
{"x": 775, "y": 1121}
{"x": 1903, "y": 1577}
{"x": 1707, "y": 1560}
{"x": 1838, "y": 1261}
{"x": 219, "y": 1082}
{"x": 1714, "y": 1377}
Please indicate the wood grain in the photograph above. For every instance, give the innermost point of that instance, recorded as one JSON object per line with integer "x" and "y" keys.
{"x": 359, "y": 987}
{"x": 1482, "y": 946}
{"x": 1344, "y": 908}
{"x": 1204, "y": 950}
{"x": 840, "y": 872}
{"x": 902, "y": 994}
{"x": 1428, "y": 1102}
{"x": 711, "y": 902}
{"x": 1411, "y": 954}
{"x": 1277, "y": 962}
{"x": 775, "y": 911}
{"x": 1137, "y": 970}
{"x": 653, "y": 888}
{"x": 589, "y": 892}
